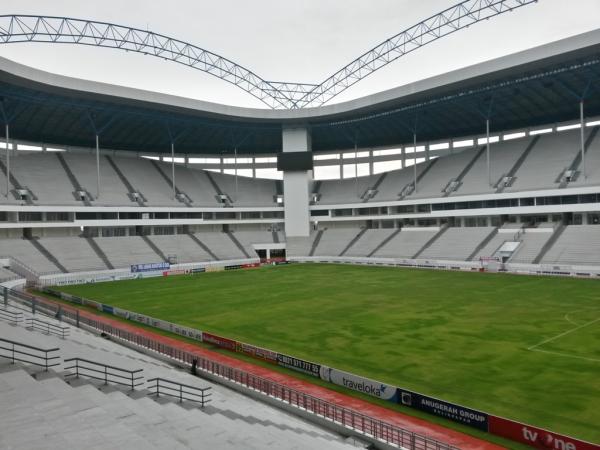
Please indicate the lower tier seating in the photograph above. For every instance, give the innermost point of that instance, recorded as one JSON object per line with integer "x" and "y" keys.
{"x": 545, "y": 243}
{"x": 578, "y": 244}
{"x": 456, "y": 243}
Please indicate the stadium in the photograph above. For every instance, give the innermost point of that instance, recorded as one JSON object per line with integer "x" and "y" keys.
{"x": 415, "y": 268}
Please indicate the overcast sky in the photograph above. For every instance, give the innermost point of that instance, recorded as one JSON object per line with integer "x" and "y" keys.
{"x": 301, "y": 41}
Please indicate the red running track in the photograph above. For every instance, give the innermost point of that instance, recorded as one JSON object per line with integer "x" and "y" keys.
{"x": 414, "y": 424}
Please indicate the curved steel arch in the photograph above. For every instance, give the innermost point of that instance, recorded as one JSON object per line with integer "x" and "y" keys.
{"x": 65, "y": 30}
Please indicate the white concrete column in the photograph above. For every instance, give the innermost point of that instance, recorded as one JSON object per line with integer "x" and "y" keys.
{"x": 97, "y": 166}
{"x": 296, "y": 183}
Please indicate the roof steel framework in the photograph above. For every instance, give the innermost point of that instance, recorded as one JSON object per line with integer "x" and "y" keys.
{"x": 64, "y": 30}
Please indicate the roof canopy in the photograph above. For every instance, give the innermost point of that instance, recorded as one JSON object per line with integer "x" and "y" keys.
{"x": 538, "y": 86}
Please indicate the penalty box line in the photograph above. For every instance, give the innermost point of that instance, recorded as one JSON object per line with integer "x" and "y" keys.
{"x": 565, "y": 355}
{"x": 533, "y": 347}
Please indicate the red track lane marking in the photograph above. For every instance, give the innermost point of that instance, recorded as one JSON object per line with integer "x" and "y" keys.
{"x": 443, "y": 434}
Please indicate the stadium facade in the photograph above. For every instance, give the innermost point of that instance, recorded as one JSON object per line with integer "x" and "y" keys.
{"x": 492, "y": 166}
{"x": 495, "y": 160}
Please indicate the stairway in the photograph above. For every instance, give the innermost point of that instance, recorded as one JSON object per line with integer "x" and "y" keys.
{"x": 482, "y": 244}
{"x": 315, "y": 243}
{"x": 511, "y": 173}
{"x": 180, "y": 196}
{"x": 465, "y": 171}
{"x": 155, "y": 249}
{"x": 203, "y": 246}
{"x": 100, "y": 253}
{"x": 548, "y": 245}
{"x": 74, "y": 181}
{"x": 384, "y": 242}
{"x": 17, "y": 185}
{"x": 140, "y": 199}
{"x": 428, "y": 244}
{"x": 238, "y": 244}
{"x": 44, "y": 251}
{"x": 353, "y": 241}
{"x": 42, "y": 410}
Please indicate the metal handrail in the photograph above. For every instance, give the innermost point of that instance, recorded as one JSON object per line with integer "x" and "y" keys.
{"x": 18, "y": 352}
{"x": 107, "y": 372}
{"x": 351, "y": 419}
{"x": 14, "y": 317}
{"x": 47, "y": 327}
{"x": 179, "y": 390}
{"x": 27, "y": 268}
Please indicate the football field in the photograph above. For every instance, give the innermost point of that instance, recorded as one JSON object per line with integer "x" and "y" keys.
{"x": 522, "y": 347}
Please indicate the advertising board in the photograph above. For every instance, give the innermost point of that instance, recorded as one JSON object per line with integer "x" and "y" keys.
{"x": 536, "y": 437}
{"x": 360, "y": 384}
{"x": 441, "y": 408}
{"x": 148, "y": 267}
{"x": 219, "y": 341}
{"x": 299, "y": 365}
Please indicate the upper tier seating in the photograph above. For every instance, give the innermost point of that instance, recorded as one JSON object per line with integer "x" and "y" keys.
{"x": 578, "y": 244}
{"x": 249, "y": 191}
{"x": 541, "y": 168}
{"x": 592, "y": 164}
{"x": 112, "y": 190}
{"x": 445, "y": 169}
{"x": 456, "y": 243}
{"x": 395, "y": 181}
{"x": 549, "y": 157}
{"x": 503, "y": 156}
{"x": 345, "y": 191}
{"x": 145, "y": 178}
{"x": 44, "y": 176}
{"x": 194, "y": 183}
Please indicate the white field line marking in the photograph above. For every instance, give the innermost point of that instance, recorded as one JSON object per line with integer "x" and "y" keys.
{"x": 564, "y": 354}
{"x": 563, "y": 334}
{"x": 568, "y": 319}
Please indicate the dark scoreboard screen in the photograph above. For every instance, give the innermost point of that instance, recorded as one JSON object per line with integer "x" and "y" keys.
{"x": 291, "y": 161}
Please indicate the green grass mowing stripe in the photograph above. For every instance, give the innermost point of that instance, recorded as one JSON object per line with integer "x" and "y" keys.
{"x": 459, "y": 336}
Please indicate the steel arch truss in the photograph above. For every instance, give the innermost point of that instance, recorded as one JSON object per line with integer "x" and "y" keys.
{"x": 283, "y": 95}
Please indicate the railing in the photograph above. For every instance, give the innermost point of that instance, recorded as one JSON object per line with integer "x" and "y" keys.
{"x": 161, "y": 386}
{"x": 6, "y": 278}
{"x": 47, "y": 327}
{"x": 23, "y": 269}
{"x": 14, "y": 317}
{"x": 15, "y": 351}
{"x": 376, "y": 429}
{"x": 104, "y": 372}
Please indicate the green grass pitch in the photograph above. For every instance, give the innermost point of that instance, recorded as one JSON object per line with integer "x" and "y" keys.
{"x": 523, "y": 347}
